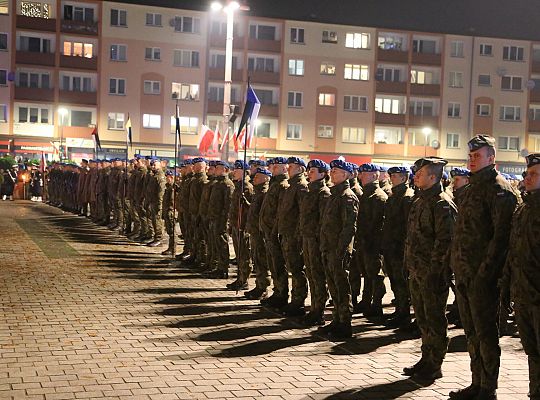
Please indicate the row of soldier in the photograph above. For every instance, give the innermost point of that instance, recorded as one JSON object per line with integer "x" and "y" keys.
{"x": 329, "y": 225}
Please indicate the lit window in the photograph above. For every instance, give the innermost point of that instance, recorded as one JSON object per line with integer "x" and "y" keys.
{"x": 185, "y": 91}
{"x": 327, "y": 99}
{"x": 357, "y": 40}
{"x": 357, "y": 72}
{"x": 152, "y": 121}
{"x": 115, "y": 121}
{"x": 328, "y": 68}
{"x": 353, "y": 135}
{"x": 296, "y": 67}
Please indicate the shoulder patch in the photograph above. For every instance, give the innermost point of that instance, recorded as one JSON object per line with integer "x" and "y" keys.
{"x": 501, "y": 193}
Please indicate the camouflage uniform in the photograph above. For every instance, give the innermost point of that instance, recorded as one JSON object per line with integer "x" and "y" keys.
{"x": 237, "y": 221}
{"x": 130, "y": 203}
{"x": 102, "y": 196}
{"x": 155, "y": 191}
{"x": 167, "y": 213}
{"x": 205, "y": 221}
{"x": 195, "y": 192}
{"x": 147, "y": 203}
{"x": 183, "y": 212}
{"x": 458, "y": 194}
{"x": 356, "y": 268}
{"x": 218, "y": 210}
{"x": 138, "y": 200}
{"x": 478, "y": 254}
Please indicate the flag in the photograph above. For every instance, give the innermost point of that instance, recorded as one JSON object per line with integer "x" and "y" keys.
{"x": 95, "y": 138}
{"x": 225, "y": 140}
{"x": 42, "y": 163}
{"x": 177, "y": 118}
{"x": 240, "y": 140}
{"x": 251, "y": 112}
{"x": 217, "y": 139}
{"x": 128, "y": 130}
{"x": 206, "y": 137}
{"x": 56, "y": 151}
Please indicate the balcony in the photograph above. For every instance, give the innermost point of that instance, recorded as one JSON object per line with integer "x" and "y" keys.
{"x": 219, "y": 41}
{"x": 426, "y": 90}
{"x": 536, "y": 67}
{"x": 392, "y": 56}
{"x": 421, "y": 151}
{"x": 389, "y": 119}
{"x": 34, "y": 58}
{"x": 264, "y": 45}
{"x": 218, "y": 74}
{"x": 265, "y": 77}
{"x": 269, "y": 110}
{"x": 534, "y": 125}
{"x": 535, "y": 96}
{"x": 36, "y": 23}
{"x": 426, "y": 58}
{"x": 79, "y": 27}
{"x": 36, "y": 94}
{"x": 423, "y": 120}
{"x": 86, "y": 98}
{"x": 391, "y": 87}
{"x": 78, "y": 62}
{"x": 216, "y": 107}
{"x": 389, "y": 149}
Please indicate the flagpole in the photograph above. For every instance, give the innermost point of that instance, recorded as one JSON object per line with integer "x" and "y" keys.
{"x": 176, "y": 140}
{"x": 125, "y": 183}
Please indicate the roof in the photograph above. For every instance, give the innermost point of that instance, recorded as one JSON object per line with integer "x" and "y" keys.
{"x": 517, "y": 19}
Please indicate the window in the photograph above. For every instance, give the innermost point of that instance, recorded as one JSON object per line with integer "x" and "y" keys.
{"x": 452, "y": 140}
{"x": 420, "y": 107}
{"x": 356, "y": 72}
{"x": 76, "y": 83}
{"x": 262, "y": 32}
{"x": 78, "y": 49}
{"x": 81, "y": 118}
{"x": 265, "y": 96}
{"x": 297, "y": 35}
{"x": 152, "y": 53}
{"x": 260, "y": 64}
{"x": 118, "y": 52}
{"x": 355, "y": 103}
{"x": 329, "y": 37}
{"x": 153, "y": 19}
{"x": 328, "y": 68}
{"x": 534, "y": 114}
{"x": 456, "y": 49}
{"x": 484, "y": 80}
{"x": 508, "y": 143}
{"x": 3, "y": 41}
{"x": 388, "y": 74}
{"x": 325, "y": 131}
{"x": 78, "y": 13}
{"x": 483, "y": 110}
{"x": 390, "y": 43}
{"x": 152, "y": 121}
{"x": 294, "y": 99}
{"x": 388, "y": 135}
{"x": 115, "y": 121}
{"x": 117, "y": 86}
{"x": 186, "y": 58}
{"x": 454, "y": 110}
{"x": 35, "y": 10}
{"x": 152, "y": 87}
{"x": 34, "y": 44}
{"x": 353, "y": 135}
{"x": 3, "y": 77}
{"x": 327, "y": 99}
{"x": 3, "y": 108}
{"x": 33, "y": 79}
{"x": 421, "y": 77}
{"x": 294, "y": 132}
{"x": 187, "y": 24}
{"x": 185, "y": 91}
{"x": 296, "y": 67}
{"x": 188, "y": 125}
{"x": 418, "y": 138}
{"x": 456, "y": 79}
{"x": 218, "y": 61}
{"x": 357, "y": 40}
{"x": 424, "y": 46}
{"x": 512, "y": 53}
{"x": 388, "y": 106}
{"x": 511, "y": 83}
{"x": 33, "y": 115}
{"x": 510, "y": 113}
{"x": 486, "y": 49}
{"x": 216, "y": 93}
{"x": 536, "y": 144}
{"x": 4, "y": 8}
{"x": 118, "y": 17}
{"x": 263, "y": 130}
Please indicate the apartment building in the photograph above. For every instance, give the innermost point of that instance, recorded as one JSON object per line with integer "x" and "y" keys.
{"x": 327, "y": 89}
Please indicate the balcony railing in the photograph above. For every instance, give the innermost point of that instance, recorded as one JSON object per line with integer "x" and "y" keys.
{"x": 34, "y": 58}
{"x": 391, "y": 87}
{"x": 426, "y": 89}
{"x": 535, "y": 96}
{"x": 36, "y": 23}
{"x": 534, "y": 125}
{"x": 264, "y": 45}
{"x": 87, "y": 98}
{"x": 78, "y": 62}
{"x": 536, "y": 67}
{"x": 218, "y": 74}
{"x": 389, "y": 119}
{"x": 37, "y": 94}
{"x": 423, "y": 120}
{"x": 264, "y": 77}
{"x": 392, "y": 55}
{"x": 219, "y": 41}
{"x": 79, "y": 27}
{"x": 426, "y": 58}
{"x": 269, "y": 110}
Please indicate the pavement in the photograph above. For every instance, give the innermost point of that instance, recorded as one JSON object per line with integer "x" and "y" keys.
{"x": 84, "y": 313}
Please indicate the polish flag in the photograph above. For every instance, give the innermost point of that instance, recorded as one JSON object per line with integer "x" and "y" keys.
{"x": 217, "y": 139}
{"x": 240, "y": 140}
{"x": 225, "y": 140}
{"x": 206, "y": 138}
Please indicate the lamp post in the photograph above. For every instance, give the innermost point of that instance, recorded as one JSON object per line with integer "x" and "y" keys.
{"x": 426, "y": 131}
{"x": 62, "y": 112}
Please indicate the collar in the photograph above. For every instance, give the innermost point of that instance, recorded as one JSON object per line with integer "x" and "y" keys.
{"x": 532, "y": 198}
{"x": 279, "y": 178}
{"x": 432, "y": 191}
{"x": 371, "y": 187}
{"x": 401, "y": 188}
{"x": 484, "y": 175}
{"x": 338, "y": 189}
{"x": 316, "y": 184}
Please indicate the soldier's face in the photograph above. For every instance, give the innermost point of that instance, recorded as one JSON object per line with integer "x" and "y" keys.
{"x": 220, "y": 170}
{"x": 170, "y": 179}
{"x": 480, "y": 159}
{"x": 423, "y": 179}
{"x": 211, "y": 171}
{"x": 397, "y": 179}
{"x": 315, "y": 175}
{"x": 252, "y": 169}
{"x": 279, "y": 169}
{"x": 259, "y": 178}
{"x": 368, "y": 177}
{"x": 337, "y": 175}
{"x": 532, "y": 179}
{"x": 237, "y": 174}
{"x": 460, "y": 181}
{"x": 199, "y": 167}
{"x": 293, "y": 169}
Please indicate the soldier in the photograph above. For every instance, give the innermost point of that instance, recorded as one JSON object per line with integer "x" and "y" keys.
{"x": 115, "y": 195}
{"x": 218, "y": 211}
{"x": 522, "y": 272}
{"x": 385, "y": 183}
{"x": 141, "y": 233}
{"x": 155, "y": 191}
{"x": 134, "y": 226}
{"x": 199, "y": 179}
{"x": 394, "y": 232}
{"x": 356, "y": 270}
{"x": 268, "y": 225}
{"x": 82, "y": 201}
{"x": 338, "y": 225}
{"x": 478, "y": 254}
{"x": 167, "y": 212}
{"x": 92, "y": 194}
{"x": 368, "y": 239}
{"x": 183, "y": 211}
{"x": 203, "y": 212}
{"x": 104, "y": 212}
{"x": 261, "y": 180}
{"x": 460, "y": 181}
{"x": 311, "y": 210}
{"x": 429, "y": 234}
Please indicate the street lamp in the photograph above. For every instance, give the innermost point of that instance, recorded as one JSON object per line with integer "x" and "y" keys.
{"x": 62, "y": 112}
{"x": 426, "y": 131}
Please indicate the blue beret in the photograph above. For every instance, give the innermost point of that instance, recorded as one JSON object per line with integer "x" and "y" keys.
{"x": 181, "y": 164}
{"x": 444, "y": 175}
{"x": 457, "y": 171}
{"x": 240, "y": 164}
{"x": 355, "y": 166}
{"x": 318, "y": 164}
{"x": 532, "y": 159}
{"x": 258, "y": 163}
{"x": 212, "y": 163}
{"x": 263, "y": 171}
{"x": 189, "y": 161}
{"x": 137, "y": 156}
{"x": 514, "y": 177}
{"x": 342, "y": 164}
{"x": 369, "y": 167}
{"x": 169, "y": 173}
{"x": 270, "y": 161}
{"x": 398, "y": 170}
{"x": 198, "y": 160}
{"x": 279, "y": 160}
{"x": 296, "y": 160}
{"x": 221, "y": 163}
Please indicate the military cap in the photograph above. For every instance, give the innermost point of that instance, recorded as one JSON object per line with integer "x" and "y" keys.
{"x": 369, "y": 167}
{"x": 342, "y": 164}
{"x": 258, "y": 163}
{"x": 320, "y": 164}
{"x": 169, "y": 173}
{"x": 279, "y": 160}
{"x": 137, "y": 156}
{"x": 198, "y": 160}
{"x": 220, "y": 163}
{"x": 181, "y": 164}
{"x": 84, "y": 160}
{"x": 444, "y": 175}
{"x": 297, "y": 161}
{"x": 480, "y": 141}
{"x": 459, "y": 171}
{"x": 270, "y": 161}
{"x": 382, "y": 168}
{"x": 189, "y": 161}
{"x": 422, "y": 162}
{"x": 212, "y": 163}
{"x": 105, "y": 160}
{"x": 240, "y": 164}
{"x": 263, "y": 171}
{"x": 506, "y": 176}
{"x": 532, "y": 159}
{"x": 513, "y": 177}
{"x": 398, "y": 170}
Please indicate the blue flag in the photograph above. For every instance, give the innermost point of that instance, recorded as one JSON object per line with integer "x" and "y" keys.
{"x": 251, "y": 112}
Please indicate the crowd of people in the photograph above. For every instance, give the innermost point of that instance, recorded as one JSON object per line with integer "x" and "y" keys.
{"x": 339, "y": 229}
{"x": 27, "y": 175}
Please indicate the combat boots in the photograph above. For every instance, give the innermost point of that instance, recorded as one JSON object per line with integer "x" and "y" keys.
{"x": 255, "y": 294}
{"x": 468, "y": 393}
{"x": 429, "y": 372}
{"x": 294, "y": 310}
{"x": 486, "y": 394}
{"x": 314, "y": 318}
{"x": 342, "y": 330}
{"x": 410, "y": 371}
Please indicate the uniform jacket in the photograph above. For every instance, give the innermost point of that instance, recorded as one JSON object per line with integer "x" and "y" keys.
{"x": 220, "y": 200}
{"x": 138, "y": 190}
{"x": 234, "y": 211}
{"x": 205, "y": 197}
{"x": 288, "y": 215}
{"x": 312, "y": 208}
{"x": 156, "y": 187}
{"x": 458, "y": 195}
{"x": 269, "y": 208}
{"x": 370, "y": 218}
{"x": 168, "y": 206}
{"x": 183, "y": 193}
{"x": 252, "y": 223}
{"x": 396, "y": 213}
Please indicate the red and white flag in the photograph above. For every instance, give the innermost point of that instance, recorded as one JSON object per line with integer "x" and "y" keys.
{"x": 206, "y": 138}
{"x": 217, "y": 139}
{"x": 240, "y": 141}
{"x": 225, "y": 140}
{"x": 42, "y": 163}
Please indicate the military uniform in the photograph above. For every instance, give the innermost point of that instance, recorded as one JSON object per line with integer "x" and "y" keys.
{"x": 167, "y": 213}
{"x": 183, "y": 211}
{"x": 155, "y": 191}
{"x": 205, "y": 222}
{"x": 199, "y": 179}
